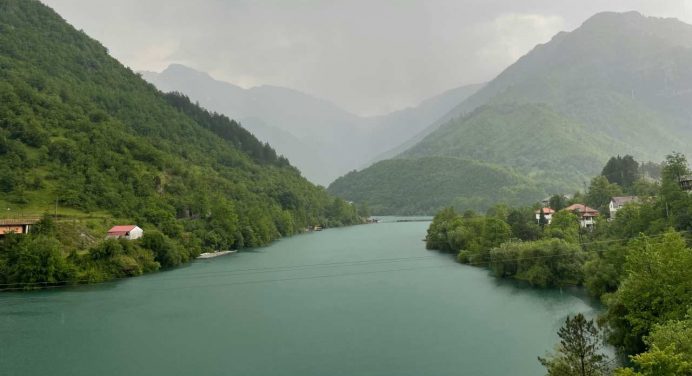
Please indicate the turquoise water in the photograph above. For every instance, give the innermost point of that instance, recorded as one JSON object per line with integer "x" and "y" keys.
{"x": 364, "y": 300}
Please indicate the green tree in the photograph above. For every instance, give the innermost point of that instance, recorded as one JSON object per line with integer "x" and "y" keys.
{"x": 655, "y": 289}
{"x": 564, "y": 225}
{"x": 74, "y": 122}
{"x": 499, "y": 211}
{"x": 439, "y": 230}
{"x": 543, "y": 263}
{"x": 166, "y": 252}
{"x": 675, "y": 167}
{"x": 557, "y": 202}
{"x": 623, "y": 171}
{"x": 669, "y": 353}
{"x": 523, "y": 224}
{"x": 542, "y": 220}
{"x": 579, "y": 350}
{"x": 651, "y": 170}
{"x": 645, "y": 188}
{"x": 657, "y": 362}
{"x": 600, "y": 192}
{"x": 33, "y": 261}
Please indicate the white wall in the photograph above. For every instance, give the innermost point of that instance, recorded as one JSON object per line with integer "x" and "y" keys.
{"x": 136, "y": 233}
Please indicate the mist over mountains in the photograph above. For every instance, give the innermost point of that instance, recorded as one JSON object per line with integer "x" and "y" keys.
{"x": 321, "y": 139}
{"x": 619, "y": 84}
{"x": 81, "y": 134}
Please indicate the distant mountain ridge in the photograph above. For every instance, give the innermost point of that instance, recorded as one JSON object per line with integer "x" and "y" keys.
{"x": 619, "y": 84}
{"x": 81, "y": 131}
{"x": 321, "y": 139}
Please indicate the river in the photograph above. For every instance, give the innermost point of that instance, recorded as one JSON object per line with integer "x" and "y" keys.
{"x": 363, "y": 300}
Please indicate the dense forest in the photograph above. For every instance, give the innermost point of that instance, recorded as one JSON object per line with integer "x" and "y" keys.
{"x": 403, "y": 186}
{"x": 323, "y": 140}
{"x": 637, "y": 263}
{"x": 84, "y": 138}
{"x": 618, "y": 84}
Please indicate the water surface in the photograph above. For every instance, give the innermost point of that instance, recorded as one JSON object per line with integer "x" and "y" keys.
{"x": 364, "y": 300}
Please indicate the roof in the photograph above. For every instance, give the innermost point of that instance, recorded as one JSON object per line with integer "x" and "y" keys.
{"x": 18, "y": 221}
{"x": 121, "y": 230}
{"x": 583, "y": 210}
{"x": 622, "y": 200}
{"x": 545, "y": 211}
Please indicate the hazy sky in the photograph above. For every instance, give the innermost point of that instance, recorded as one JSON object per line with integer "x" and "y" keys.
{"x": 367, "y": 56}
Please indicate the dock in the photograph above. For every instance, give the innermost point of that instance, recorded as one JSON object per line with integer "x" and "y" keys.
{"x": 208, "y": 255}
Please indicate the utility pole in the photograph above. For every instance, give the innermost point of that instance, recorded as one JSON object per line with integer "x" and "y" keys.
{"x": 667, "y": 213}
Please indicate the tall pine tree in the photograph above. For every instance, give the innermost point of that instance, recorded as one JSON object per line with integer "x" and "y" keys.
{"x": 578, "y": 353}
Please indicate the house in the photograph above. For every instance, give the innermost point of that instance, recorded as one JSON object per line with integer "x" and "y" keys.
{"x": 586, "y": 214}
{"x": 547, "y": 213}
{"x": 686, "y": 183}
{"x": 130, "y": 232}
{"x": 18, "y": 226}
{"x": 616, "y": 203}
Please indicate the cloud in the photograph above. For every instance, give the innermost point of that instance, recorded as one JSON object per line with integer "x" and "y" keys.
{"x": 154, "y": 56}
{"x": 516, "y": 34}
{"x": 367, "y": 56}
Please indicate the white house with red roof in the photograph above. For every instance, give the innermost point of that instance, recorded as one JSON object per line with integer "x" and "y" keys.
{"x": 586, "y": 214}
{"x": 547, "y": 213}
{"x": 130, "y": 232}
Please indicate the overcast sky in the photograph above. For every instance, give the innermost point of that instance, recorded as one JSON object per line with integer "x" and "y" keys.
{"x": 367, "y": 56}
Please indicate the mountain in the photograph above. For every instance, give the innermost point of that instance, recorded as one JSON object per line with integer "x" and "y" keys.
{"x": 82, "y": 132}
{"x": 621, "y": 83}
{"x": 299, "y": 114}
{"x": 403, "y": 186}
{"x": 320, "y": 138}
{"x": 398, "y": 129}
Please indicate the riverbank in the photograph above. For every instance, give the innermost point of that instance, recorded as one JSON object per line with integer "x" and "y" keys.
{"x": 57, "y": 254}
{"x": 348, "y": 301}
{"x": 636, "y": 262}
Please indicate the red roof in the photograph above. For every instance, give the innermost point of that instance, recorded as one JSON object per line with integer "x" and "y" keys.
{"x": 583, "y": 210}
{"x": 545, "y": 211}
{"x": 121, "y": 230}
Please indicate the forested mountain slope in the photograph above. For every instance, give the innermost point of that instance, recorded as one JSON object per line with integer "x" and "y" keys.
{"x": 403, "y": 186}
{"x": 80, "y": 130}
{"x": 622, "y": 77}
{"x": 619, "y": 84}
{"x": 320, "y": 138}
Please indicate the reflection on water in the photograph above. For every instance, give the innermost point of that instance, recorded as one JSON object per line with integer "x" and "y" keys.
{"x": 362, "y": 300}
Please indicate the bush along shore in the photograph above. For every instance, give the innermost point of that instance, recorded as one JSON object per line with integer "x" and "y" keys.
{"x": 637, "y": 262}
{"x": 63, "y": 253}
{"x": 88, "y": 140}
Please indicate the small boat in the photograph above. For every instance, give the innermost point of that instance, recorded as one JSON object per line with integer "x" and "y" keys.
{"x": 207, "y": 255}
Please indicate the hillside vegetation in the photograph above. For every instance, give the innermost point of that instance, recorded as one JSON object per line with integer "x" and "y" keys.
{"x": 82, "y": 132}
{"x": 619, "y": 84}
{"x": 321, "y": 139}
{"x": 637, "y": 263}
{"x": 403, "y": 186}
